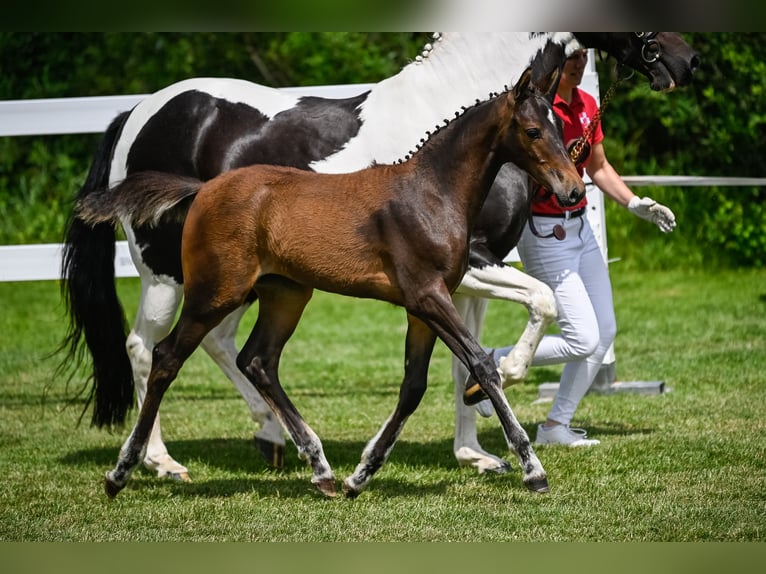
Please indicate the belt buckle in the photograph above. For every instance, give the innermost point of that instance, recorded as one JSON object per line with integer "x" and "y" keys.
{"x": 569, "y": 214}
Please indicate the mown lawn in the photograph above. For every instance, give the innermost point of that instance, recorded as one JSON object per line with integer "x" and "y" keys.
{"x": 688, "y": 465}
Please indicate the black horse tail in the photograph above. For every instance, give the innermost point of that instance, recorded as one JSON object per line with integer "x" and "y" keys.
{"x": 90, "y": 295}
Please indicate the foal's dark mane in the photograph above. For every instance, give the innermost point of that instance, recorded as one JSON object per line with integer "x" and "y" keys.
{"x": 448, "y": 122}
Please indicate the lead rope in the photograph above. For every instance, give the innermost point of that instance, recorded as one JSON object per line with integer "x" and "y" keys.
{"x": 574, "y": 154}
{"x": 558, "y": 230}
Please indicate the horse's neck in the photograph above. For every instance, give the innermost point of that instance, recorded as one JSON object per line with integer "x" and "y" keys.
{"x": 462, "y": 158}
{"x": 460, "y": 69}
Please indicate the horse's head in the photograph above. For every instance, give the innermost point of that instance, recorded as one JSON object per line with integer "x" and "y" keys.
{"x": 663, "y": 57}
{"x": 534, "y": 140}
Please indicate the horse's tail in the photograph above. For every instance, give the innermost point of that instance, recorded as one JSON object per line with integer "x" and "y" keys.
{"x": 143, "y": 198}
{"x": 90, "y": 295}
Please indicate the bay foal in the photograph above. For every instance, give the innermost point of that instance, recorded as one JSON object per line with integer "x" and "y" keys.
{"x": 398, "y": 233}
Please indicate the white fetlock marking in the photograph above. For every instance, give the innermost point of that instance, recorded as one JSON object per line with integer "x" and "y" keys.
{"x": 480, "y": 460}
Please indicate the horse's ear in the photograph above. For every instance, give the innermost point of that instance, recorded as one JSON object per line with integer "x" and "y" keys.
{"x": 522, "y": 85}
{"x": 551, "y": 83}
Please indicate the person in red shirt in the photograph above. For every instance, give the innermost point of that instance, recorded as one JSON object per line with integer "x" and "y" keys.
{"x": 559, "y": 248}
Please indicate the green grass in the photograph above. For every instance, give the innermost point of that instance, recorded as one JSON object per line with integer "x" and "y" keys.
{"x": 689, "y": 465}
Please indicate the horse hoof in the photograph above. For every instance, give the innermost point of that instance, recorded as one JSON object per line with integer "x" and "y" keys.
{"x": 481, "y": 461}
{"x": 349, "y": 491}
{"x": 273, "y": 453}
{"x": 500, "y": 468}
{"x": 111, "y": 488}
{"x": 473, "y": 395}
{"x": 485, "y": 408}
{"x": 327, "y": 487}
{"x": 538, "y": 485}
{"x": 179, "y": 476}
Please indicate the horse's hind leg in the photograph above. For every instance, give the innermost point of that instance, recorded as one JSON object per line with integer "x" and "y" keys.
{"x": 418, "y": 349}
{"x": 156, "y": 311}
{"x": 167, "y": 358}
{"x": 220, "y": 345}
{"x": 281, "y": 304}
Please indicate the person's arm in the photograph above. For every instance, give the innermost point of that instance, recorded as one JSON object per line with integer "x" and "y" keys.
{"x": 609, "y": 181}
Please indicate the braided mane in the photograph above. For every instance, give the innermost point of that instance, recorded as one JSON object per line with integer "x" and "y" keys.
{"x": 447, "y": 121}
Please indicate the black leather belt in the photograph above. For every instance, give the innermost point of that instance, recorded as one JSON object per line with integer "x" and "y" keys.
{"x": 564, "y": 215}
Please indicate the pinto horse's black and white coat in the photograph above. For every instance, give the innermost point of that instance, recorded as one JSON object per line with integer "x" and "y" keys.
{"x": 204, "y": 126}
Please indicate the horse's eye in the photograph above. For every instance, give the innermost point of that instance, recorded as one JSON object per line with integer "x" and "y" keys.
{"x": 534, "y": 133}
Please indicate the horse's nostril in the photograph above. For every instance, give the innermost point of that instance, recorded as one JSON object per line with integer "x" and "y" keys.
{"x": 694, "y": 63}
{"x": 574, "y": 195}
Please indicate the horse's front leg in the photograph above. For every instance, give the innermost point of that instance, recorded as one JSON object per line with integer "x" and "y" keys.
{"x": 445, "y": 321}
{"x": 418, "y": 349}
{"x": 509, "y": 284}
{"x": 465, "y": 445}
{"x": 281, "y": 304}
{"x": 220, "y": 345}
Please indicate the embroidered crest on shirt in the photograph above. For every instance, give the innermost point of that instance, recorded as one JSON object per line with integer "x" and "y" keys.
{"x": 584, "y": 119}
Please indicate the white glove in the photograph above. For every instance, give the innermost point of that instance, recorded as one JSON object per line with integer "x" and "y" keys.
{"x": 647, "y": 208}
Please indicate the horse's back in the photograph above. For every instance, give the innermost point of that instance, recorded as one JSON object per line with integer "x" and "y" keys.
{"x": 203, "y": 126}
{"x": 313, "y": 228}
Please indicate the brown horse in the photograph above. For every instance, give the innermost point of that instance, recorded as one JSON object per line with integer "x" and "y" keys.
{"x": 398, "y": 233}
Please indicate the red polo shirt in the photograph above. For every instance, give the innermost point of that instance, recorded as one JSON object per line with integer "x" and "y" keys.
{"x": 576, "y": 116}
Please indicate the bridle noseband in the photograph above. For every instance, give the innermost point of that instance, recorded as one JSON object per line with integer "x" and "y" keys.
{"x": 651, "y": 49}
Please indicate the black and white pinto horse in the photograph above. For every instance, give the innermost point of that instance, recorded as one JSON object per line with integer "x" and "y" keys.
{"x": 204, "y": 126}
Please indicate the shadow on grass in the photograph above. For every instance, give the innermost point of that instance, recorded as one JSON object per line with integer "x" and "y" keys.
{"x": 240, "y": 457}
{"x": 254, "y": 475}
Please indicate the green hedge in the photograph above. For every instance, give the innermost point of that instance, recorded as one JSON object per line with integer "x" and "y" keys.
{"x": 715, "y": 127}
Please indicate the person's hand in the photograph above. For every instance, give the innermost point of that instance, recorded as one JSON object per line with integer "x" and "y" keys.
{"x": 647, "y": 208}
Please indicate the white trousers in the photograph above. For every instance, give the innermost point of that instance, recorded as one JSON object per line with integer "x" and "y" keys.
{"x": 576, "y": 272}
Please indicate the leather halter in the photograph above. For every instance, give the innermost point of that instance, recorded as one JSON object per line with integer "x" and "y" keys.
{"x": 651, "y": 49}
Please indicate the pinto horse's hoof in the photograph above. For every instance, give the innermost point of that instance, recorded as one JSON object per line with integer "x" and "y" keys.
{"x": 538, "y": 485}
{"x": 473, "y": 395}
{"x": 327, "y": 487}
{"x": 179, "y": 476}
{"x": 349, "y": 491}
{"x": 111, "y": 488}
{"x": 273, "y": 453}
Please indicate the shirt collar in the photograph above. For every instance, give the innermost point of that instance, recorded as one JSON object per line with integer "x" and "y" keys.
{"x": 576, "y": 102}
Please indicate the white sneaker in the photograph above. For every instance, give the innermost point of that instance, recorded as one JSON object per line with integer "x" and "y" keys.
{"x": 565, "y": 435}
